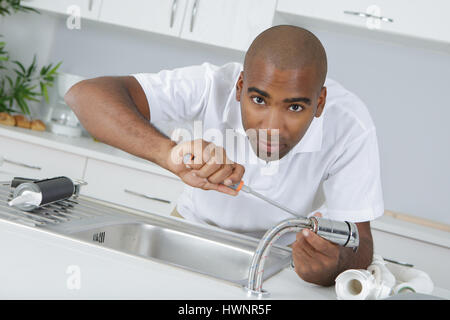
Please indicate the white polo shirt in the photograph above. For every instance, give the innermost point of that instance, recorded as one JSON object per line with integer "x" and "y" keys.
{"x": 334, "y": 169}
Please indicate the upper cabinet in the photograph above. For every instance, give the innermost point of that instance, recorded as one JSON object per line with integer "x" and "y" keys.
{"x": 84, "y": 8}
{"x": 158, "y": 16}
{"x": 412, "y": 18}
{"x": 227, "y": 23}
{"x": 235, "y": 23}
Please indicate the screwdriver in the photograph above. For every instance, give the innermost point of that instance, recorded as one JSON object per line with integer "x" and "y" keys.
{"x": 241, "y": 186}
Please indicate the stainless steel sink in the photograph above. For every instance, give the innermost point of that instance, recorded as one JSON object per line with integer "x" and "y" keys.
{"x": 200, "y": 248}
{"x": 223, "y": 256}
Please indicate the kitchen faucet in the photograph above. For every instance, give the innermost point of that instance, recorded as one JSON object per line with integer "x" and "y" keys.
{"x": 342, "y": 233}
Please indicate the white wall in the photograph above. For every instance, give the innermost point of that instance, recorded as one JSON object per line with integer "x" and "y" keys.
{"x": 405, "y": 87}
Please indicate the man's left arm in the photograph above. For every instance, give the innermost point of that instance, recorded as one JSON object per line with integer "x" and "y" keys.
{"x": 320, "y": 261}
{"x": 352, "y": 192}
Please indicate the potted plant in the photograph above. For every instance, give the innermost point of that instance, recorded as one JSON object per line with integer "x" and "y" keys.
{"x": 20, "y": 84}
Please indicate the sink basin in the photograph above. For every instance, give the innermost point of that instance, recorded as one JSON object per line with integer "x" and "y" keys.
{"x": 221, "y": 255}
{"x": 200, "y": 248}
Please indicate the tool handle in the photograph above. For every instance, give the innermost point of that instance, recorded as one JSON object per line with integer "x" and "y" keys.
{"x": 189, "y": 157}
{"x": 238, "y": 186}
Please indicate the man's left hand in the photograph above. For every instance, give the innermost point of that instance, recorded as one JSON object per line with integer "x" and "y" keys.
{"x": 315, "y": 259}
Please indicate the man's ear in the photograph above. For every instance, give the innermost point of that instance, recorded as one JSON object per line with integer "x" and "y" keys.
{"x": 239, "y": 85}
{"x": 321, "y": 101}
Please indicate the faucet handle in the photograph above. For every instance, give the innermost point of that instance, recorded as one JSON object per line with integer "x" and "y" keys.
{"x": 343, "y": 233}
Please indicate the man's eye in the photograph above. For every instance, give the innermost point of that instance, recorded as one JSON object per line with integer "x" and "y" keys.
{"x": 258, "y": 100}
{"x": 296, "y": 108}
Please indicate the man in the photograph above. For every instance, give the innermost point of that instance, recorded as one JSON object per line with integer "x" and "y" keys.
{"x": 322, "y": 136}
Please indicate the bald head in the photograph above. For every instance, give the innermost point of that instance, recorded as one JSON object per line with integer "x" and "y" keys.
{"x": 288, "y": 47}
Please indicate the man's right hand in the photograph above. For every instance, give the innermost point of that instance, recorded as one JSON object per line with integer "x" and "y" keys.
{"x": 209, "y": 169}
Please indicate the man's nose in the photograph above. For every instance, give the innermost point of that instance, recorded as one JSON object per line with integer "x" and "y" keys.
{"x": 273, "y": 121}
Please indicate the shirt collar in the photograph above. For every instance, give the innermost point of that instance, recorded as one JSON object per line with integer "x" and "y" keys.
{"x": 311, "y": 141}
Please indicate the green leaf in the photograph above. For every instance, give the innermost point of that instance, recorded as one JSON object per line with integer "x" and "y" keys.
{"x": 19, "y": 74}
{"x": 44, "y": 70}
{"x": 45, "y": 92}
{"x": 21, "y": 103}
{"x": 10, "y": 81}
{"x": 55, "y": 68}
{"x": 32, "y": 67}
{"x": 22, "y": 68}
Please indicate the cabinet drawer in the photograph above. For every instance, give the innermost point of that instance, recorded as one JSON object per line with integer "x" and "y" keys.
{"x": 5, "y": 176}
{"x": 131, "y": 187}
{"x": 34, "y": 161}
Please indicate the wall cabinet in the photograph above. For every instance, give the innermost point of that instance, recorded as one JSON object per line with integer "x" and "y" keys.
{"x": 418, "y": 19}
{"x": 158, "y": 16}
{"x": 235, "y": 23}
{"x": 227, "y": 23}
{"x": 87, "y": 8}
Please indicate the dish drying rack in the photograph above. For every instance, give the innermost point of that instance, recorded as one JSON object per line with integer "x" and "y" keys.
{"x": 53, "y": 213}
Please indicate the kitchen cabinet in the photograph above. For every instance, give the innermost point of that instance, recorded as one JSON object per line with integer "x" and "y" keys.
{"x": 87, "y": 8}
{"x": 228, "y": 23}
{"x": 158, "y": 16}
{"x": 431, "y": 258}
{"x": 418, "y": 19}
{"x": 33, "y": 161}
{"x": 131, "y": 187}
{"x": 113, "y": 178}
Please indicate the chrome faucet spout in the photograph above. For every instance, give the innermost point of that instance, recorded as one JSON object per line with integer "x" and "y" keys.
{"x": 340, "y": 232}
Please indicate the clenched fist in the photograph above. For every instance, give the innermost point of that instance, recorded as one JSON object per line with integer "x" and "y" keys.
{"x": 208, "y": 169}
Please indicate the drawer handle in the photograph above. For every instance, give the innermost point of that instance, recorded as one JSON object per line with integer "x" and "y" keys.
{"x": 368, "y": 15}
{"x": 19, "y": 164}
{"x": 145, "y": 196}
{"x": 398, "y": 262}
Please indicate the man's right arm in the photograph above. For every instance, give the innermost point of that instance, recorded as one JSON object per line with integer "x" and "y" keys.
{"x": 115, "y": 111}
